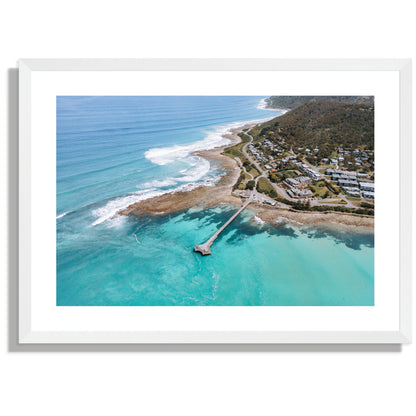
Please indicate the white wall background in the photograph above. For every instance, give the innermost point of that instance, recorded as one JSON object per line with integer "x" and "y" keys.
{"x": 299, "y": 381}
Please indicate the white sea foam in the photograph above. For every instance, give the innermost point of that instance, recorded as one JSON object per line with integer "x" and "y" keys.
{"x": 258, "y": 220}
{"x": 62, "y": 215}
{"x": 262, "y": 105}
{"x": 160, "y": 184}
{"x": 164, "y": 155}
{"x": 135, "y": 236}
{"x": 199, "y": 167}
{"x": 109, "y": 210}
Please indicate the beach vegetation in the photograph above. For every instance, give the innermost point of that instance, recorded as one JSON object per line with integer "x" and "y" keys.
{"x": 367, "y": 205}
{"x": 250, "y": 185}
{"x": 238, "y": 182}
{"x": 244, "y": 137}
{"x": 320, "y": 189}
{"x": 265, "y": 187}
{"x": 290, "y": 102}
{"x": 305, "y": 206}
{"x": 325, "y": 125}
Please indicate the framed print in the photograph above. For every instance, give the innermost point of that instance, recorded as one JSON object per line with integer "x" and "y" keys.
{"x": 214, "y": 201}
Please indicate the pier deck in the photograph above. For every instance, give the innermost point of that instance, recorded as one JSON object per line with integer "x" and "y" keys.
{"x": 205, "y": 249}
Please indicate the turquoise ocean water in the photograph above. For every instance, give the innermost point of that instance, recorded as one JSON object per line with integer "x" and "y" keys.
{"x": 113, "y": 151}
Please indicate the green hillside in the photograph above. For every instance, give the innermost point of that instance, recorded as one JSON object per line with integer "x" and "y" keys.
{"x": 291, "y": 102}
{"x": 323, "y": 125}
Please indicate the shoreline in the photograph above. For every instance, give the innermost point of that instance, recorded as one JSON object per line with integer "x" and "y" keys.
{"x": 221, "y": 193}
{"x": 203, "y": 196}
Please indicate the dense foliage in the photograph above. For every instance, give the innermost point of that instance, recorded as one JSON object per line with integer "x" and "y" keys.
{"x": 290, "y": 102}
{"x": 322, "y": 125}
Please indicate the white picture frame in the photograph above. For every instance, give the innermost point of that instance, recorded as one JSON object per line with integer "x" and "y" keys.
{"x": 28, "y": 334}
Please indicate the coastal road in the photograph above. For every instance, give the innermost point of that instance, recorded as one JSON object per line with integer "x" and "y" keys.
{"x": 263, "y": 174}
{"x": 244, "y": 169}
{"x": 282, "y": 192}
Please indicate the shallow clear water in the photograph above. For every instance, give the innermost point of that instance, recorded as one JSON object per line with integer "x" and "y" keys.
{"x": 113, "y": 151}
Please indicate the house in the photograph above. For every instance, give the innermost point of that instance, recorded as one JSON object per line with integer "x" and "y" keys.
{"x": 292, "y": 182}
{"x": 368, "y": 194}
{"x": 298, "y": 193}
{"x": 367, "y": 186}
{"x": 310, "y": 172}
{"x": 351, "y": 191}
{"x": 346, "y": 172}
{"x": 303, "y": 181}
{"x": 347, "y": 182}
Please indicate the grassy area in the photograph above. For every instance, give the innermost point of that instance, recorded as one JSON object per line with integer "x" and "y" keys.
{"x": 320, "y": 189}
{"x": 244, "y": 137}
{"x": 323, "y": 169}
{"x": 236, "y": 151}
{"x": 265, "y": 187}
{"x": 339, "y": 201}
{"x": 284, "y": 174}
{"x": 253, "y": 171}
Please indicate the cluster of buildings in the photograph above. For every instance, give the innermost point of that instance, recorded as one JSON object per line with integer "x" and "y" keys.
{"x": 353, "y": 183}
{"x": 299, "y": 182}
{"x": 298, "y": 187}
{"x": 309, "y": 171}
{"x": 300, "y": 193}
{"x": 258, "y": 154}
{"x": 268, "y": 160}
{"x": 356, "y": 157}
{"x": 272, "y": 147}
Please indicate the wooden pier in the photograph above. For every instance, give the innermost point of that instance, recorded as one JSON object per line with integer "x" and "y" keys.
{"x": 205, "y": 249}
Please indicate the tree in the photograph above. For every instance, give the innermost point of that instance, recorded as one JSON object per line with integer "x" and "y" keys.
{"x": 250, "y": 185}
{"x": 273, "y": 194}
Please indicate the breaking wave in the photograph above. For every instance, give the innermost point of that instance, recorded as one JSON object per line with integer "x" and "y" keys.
{"x": 109, "y": 211}
{"x": 187, "y": 179}
{"x": 213, "y": 139}
{"x": 262, "y": 105}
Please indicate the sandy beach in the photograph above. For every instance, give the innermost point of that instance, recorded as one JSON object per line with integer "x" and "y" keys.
{"x": 221, "y": 193}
